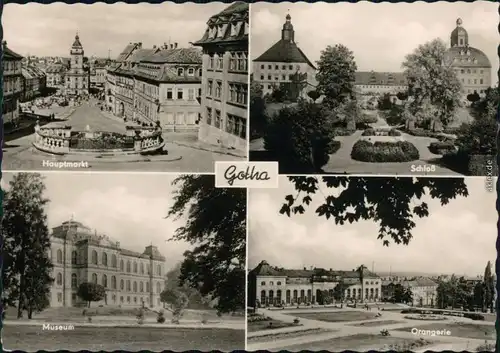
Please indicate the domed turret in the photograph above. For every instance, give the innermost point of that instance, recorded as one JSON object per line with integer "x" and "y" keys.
{"x": 459, "y": 36}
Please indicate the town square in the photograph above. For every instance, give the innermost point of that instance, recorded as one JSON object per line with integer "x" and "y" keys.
{"x": 390, "y": 91}
{"x": 321, "y": 278}
{"x": 142, "y": 101}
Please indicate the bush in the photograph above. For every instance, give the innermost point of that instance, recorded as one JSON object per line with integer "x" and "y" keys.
{"x": 161, "y": 318}
{"x": 342, "y": 131}
{"x": 366, "y": 119}
{"x": 296, "y": 321}
{"x": 258, "y": 318}
{"x": 369, "y": 132}
{"x": 479, "y": 137}
{"x": 442, "y": 147}
{"x": 419, "y": 132}
{"x": 394, "y": 132}
{"x": 474, "y": 316}
{"x": 401, "y": 151}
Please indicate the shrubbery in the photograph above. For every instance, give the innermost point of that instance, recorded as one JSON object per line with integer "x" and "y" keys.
{"x": 401, "y": 151}
{"x": 257, "y": 318}
{"x": 342, "y": 131}
{"x": 472, "y": 316}
{"x": 375, "y": 132}
{"x": 442, "y": 147}
{"x": 369, "y": 132}
{"x": 394, "y": 132}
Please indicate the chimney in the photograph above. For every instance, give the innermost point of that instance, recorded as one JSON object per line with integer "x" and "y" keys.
{"x": 175, "y": 45}
{"x": 139, "y": 45}
{"x": 171, "y": 46}
{"x": 305, "y": 268}
{"x": 154, "y": 46}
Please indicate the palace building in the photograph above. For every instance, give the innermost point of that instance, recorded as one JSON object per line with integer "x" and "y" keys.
{"x": 224, "y": 94}
{"x": 472, "y": 66}
{"x": 268, "y": 285}
{"x": 282, "y": 61}
{"x": 370, "y": 84}
{"x": 12, "y": 84}
{"x": 77, "y": 79}
{"x": 80, "y": 255}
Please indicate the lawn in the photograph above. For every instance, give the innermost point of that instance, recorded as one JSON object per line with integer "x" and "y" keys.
{"x": 271, "y": 337}
{"x": 377, "y": 323}
{"x": 32, "y": 338}
{"x": 464, "y": 330}
{"x": 264, "y": 325}
{"x": 361, "y": 342}
{"x": 338, "y": 316}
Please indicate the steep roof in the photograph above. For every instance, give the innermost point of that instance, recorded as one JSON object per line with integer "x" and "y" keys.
{"x": 55, "y": 69}
{"x": 284, "y": 51}
{"x": 380, "y": 78}
{"x": 30, "y": 72}
{"x": 9, "y": 54}
{"x": 466, "y": 57}
{"x": 127, "y": 51}
{"x": 77, "y": 43}
{"x": 175, "y": 56}
{"x": 141, "y": 54}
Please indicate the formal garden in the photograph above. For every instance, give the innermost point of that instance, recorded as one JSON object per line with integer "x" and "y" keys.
{"x": 333, "y": 128}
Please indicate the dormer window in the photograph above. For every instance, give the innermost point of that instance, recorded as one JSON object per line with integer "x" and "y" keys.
{"x": 212, "y": 32}
{"x": 220, "y": 30}
{"x": 191, "y": 71}
{"x": 180, "y": 71}
{"x": 234, "y": 29}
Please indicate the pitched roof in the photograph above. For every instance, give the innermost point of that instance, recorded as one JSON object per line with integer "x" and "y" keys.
{"x": 141, "y": 54}
{"x": 380, "y": 78}
{"x": 30, "y": 72}
{"x": 127, "y": 51}
{"x": 284, "y": 51}
{"x": 175, "y": 56}
{"x": 9, "y": 54}
{"x": 236, "y": 14}
{"x": 55, "y": 69}
{"x": 77, "y": 43}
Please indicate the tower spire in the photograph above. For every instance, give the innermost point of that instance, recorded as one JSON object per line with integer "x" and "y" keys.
{"x": 287, "y": 33}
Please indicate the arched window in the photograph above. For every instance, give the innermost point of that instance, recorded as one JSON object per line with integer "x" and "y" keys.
{"x": 59, "y": 279}
{"x": 74, "y": 281}
{"x": 94, "y": 278}
{"x": 113, "y": 261}
{"x": 74, "y": 258}
{"x": 59, "y": 256}
{"x": 141, "y": 286}
{"x": 142, "y": 268}
{"x": 135, "y": 267}
{"x": 105, "y": 259}
{"x": 135, "y": 287}
{"x": 147, "y": 286}
{"x": 94, "y": 257}
{"x": 122, "y": 286}
{"x": 158, "y": 287}
{"x": 263, "y": 297}
{"x": 128, "y": 285}
{"x": 121, "y": 265}
{"x": 105, "y": 281}
{"x": 113, "y": 282}
{"x": 128, "y": 266}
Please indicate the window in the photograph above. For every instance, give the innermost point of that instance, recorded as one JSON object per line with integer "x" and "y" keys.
{"x": 59, "y": 297}
{"x": 122, "y": 287}
{"x": 94, "y": 257}
{"x": 191, "y": 120}
{"x": 159, "y": 270}
{"x": 276, "y": 67}
{"x": 179, "y": 118}
{"x": 209, "y": 88}
{"x": 262, "y": 283}
{"x": 481, "y": 81}
{"x": 113, "y": 261}
{"x": 283, "y": 77}
{"x": 180, "y": 93}
{"x": 59, "y": 256}
{"x": 236, "y": 125}
{"x": 191, "y": 71}
{"x": 217, "y": 119}
{"x": 279, "y": 283}
{"x": 59, "y": 279}
{"x": 94, "y": 278}
{"x": 74, "y": 258}
{"x": 128, "y": 285}
{"x": 104, "y": 259}
{"x": 128, "y": 299}
{"x": 191, "y": 94}
{"x": 219, "y": 63}
{"x": 135, "y": 267}
{"x": 209, "y": 116}
{"x": 147, "y": 286}
{"x": 113, "y": 282}
{"x": 74, "y": 281}
{"x": 218, "y": 89}
{"x": 271, "y": 283}
{"x": 121, "y": 265}
{"x": 211, "y": 63}
{"x": 262, "y": 67}
{"x": 169, "y": 94}
{"x": 135, "y": 287}
{"x": 141, "y": 286}
{"x": 200, "y": 72}
{"x": 180, "y": 71}
{"x": 269, "y": 77}
{"x": 262, "y": 77}
{"x": 128, "y": 266}
{"x": 290, "y": 67}
{"x": 105, "y": 281}
{"x": 142, "y": 268}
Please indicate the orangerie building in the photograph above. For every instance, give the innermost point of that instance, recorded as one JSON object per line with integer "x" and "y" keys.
{"x": 81, "y": 255}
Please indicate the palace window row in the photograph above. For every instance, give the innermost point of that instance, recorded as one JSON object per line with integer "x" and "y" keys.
{"x": 237, "y": 93}
{"x": 182, "y": 94}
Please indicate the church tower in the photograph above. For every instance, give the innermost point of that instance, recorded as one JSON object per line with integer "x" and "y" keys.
{"x": 76, "y": 81}
{"x": 287, "y": 33}
{"x": 459, "y": 36}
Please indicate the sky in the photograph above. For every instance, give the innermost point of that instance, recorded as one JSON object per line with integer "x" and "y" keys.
{"x": 129, "y": 208}
{"x": 49, "y": 30}
{"x": 457, "y": 238}
{"x": 381, "y": 34}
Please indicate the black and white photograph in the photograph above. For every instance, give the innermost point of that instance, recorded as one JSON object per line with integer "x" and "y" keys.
{"x": 367, "y": 88}
{"x": 359, "y": 264}
{"x": 122, "y": 261}
{"x": 125, "y": 87}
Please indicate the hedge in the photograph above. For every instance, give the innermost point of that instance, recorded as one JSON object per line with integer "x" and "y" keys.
{"x": 369, "y": 132}
{"x": 442, "y": 147}
{"x": 401, "y": 151}
{"x": 335, "y": 146}
{"x": 468, "y": 315}
{"x": 374, "y": 132}
{"x": 342, "y": 131}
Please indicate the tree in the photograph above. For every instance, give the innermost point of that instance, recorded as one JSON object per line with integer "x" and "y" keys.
{"x": 27, "y": 266}
{"x": 300, "y": 138}
{"x": 432, "y": 83}
{"x": 489, "y": 288}
{"x": 478, "y": 137}
{"x": 91, "y": 292}
{"x": 402, "y": 96}
{"x": 478, "y": 296}
{"x": 391, "y": 202}
{"x": 487, "y": 106}
{"x": 177, "y": 300}
{"x": 339, "y": 291}
{"x": 172, "y": 283}
{"x": 216, "y": 226}
{"x": 314, "y": 95}
{"x": 385, "y": 102}
{"x": 473, "y": 97}
{"x": 258, "y": 116}
{"x": 398, "y": 295}
{"x": 293, "y": 90}
{"x": 336, "y": 70}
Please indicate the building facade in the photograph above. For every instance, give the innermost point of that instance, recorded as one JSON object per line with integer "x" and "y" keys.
{"x": 98, "y": 71}
{"x": 371, "y": 85}
{"x": 12, "y": 85}
{"x": 34, "y": 82}
{"x": 56, "y": 75}
{"x": 77, "y": 78}
{"x": 472, "y": 66}
{"x": 167, "y": 86}
{"x": 81, "y": 256}
{"x": 280, "y": 63}
{"x": 270, "y": 286}
{"x": 424, "y": 290}
{"x": 224, "y": 94}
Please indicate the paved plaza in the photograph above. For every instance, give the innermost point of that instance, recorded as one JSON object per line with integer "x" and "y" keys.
{"x": 365, "y": 335}
{"x": 182, "y": 155}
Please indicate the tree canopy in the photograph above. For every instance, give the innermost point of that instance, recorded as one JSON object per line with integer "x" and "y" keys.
{"x": 432, "y": 83}
{"x": 335, "y": 74}
{"x": 390, "y": 202}
{"x": 91, "y": 292}
{"x": 216, "y": 227}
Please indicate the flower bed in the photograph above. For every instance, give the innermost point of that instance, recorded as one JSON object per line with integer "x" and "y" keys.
{"x": 472, "y": 316}
{"x": 106, "y": 141}
{"x": 401, "y": 151}
{"x": 257, "y": 318}
{"x": 381, "y": 132}
{"x": 425, "y": 317}
{"x": 442, "y": 148}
